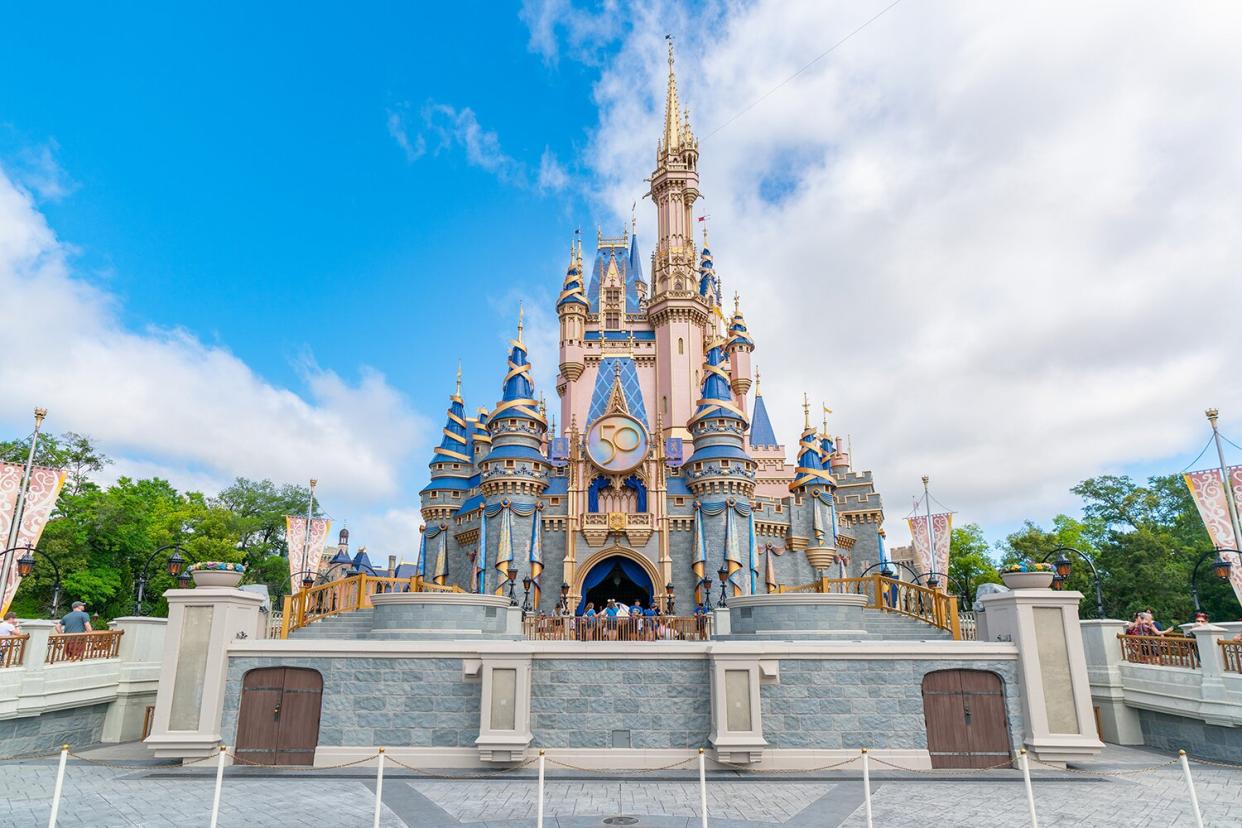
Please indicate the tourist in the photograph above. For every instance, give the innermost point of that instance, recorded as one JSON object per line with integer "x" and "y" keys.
{"x": 611, "y": 613}
{"x": 77, "y": 621}
{"x": 10, "y": 626}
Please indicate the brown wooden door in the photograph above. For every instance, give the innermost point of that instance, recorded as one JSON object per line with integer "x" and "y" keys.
{"x": 278, "y": 723}
{"x": 967, "y": 726}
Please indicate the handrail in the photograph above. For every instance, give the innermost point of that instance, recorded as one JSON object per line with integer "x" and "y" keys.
{"x": 1230, "y": 655}
{"x": 932, "y": 606}
{"x": 1164, "y": 650}
{"x": 601, "y": 628}
{"x": 13, "y": 650}
{"x": 83, "y": 646}
{"x": 346, "y": 595}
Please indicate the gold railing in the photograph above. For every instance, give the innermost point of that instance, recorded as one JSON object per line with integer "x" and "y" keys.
{"x": 601, "y": 628}
{"x": 13, "y": 650}
{"x": 346, "y": 595}
{"x": 1164, "y": 650}
{"x": 84, "y": 646}
{"x": 1230, "y": 656}
{"x": 931, "y": 606}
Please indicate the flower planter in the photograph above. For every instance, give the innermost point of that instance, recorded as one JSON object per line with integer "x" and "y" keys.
{"x": 215, "y": 577}
{"x": 1027, "y": 580}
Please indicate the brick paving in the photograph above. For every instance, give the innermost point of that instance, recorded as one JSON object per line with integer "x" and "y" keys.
{"x": 160, "y": 795}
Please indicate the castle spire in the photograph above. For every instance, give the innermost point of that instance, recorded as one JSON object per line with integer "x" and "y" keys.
{"x": 521, "y": 314}
{"x": 672, "y": 109}
{"x": 457, "y": 393}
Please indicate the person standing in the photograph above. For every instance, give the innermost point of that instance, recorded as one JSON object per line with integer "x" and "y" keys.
{"x": 10, "y": 626}
{"x": 75, "y": 623}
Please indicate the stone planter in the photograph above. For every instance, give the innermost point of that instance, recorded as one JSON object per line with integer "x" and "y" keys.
{"x": 216, "y": 577}
{"x": 1027, "y": 580}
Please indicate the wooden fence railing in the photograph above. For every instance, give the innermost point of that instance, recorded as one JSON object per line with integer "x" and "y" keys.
{"x": 1231, "y": 656}
{"x": 600, "y": 628}
{"x": 1164, "y": 650}
{"x": 13, "y": 650}
{"x": 932, "y": 606}
{"x": 345, "y": 595}
{"x": 84, "y": 646}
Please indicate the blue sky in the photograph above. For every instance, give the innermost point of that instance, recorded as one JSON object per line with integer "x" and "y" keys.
{"x": 256, "y": 238}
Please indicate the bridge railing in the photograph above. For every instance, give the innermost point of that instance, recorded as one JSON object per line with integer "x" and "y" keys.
{"x": 346, "y": 595}
{"x": 931, "y": 606}
{"x": 602, "y": 628}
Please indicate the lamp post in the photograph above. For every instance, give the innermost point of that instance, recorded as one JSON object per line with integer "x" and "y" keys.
{"x": 723, "y": 575}
{"x": 174, "y": 566}
{"x": 1220, "y": 568}
{"x": 512, "y": 575}
{"x": 562, "y": 606}
{"x": 526, "y": 582}
{"x": 669, "y": 597}
{"x": 706, "y": 585}
{"x": 26, "y": 564}
{"x": 1064, "y": 566}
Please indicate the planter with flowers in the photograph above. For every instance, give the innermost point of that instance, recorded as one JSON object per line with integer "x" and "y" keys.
{"x": 217, "y": 573}
{"x": 1027, "y": 575}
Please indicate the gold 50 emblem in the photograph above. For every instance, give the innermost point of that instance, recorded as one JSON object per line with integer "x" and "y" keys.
{"x": 617, "y": 443}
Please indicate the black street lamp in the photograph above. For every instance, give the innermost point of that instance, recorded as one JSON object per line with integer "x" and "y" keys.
{"x": 25, "y": 566}
{"x": 563, "y": 607}
{"x": 513, "y": 602}
{"x": 1064, "y": 566}
{"x": 1220, "y": 568}
{"x": 174, "y": 566}
{"x": 526, "y": 582}
{"x": 723, "y": 575}
{"x": 668, "y": 592}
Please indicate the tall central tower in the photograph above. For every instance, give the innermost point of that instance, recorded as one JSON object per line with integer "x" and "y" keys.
{"x": 677, "y": 312}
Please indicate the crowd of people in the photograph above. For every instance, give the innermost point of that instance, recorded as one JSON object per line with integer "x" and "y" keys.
{"x": 1145, "y": 624}
{"x": 618, "y": 621}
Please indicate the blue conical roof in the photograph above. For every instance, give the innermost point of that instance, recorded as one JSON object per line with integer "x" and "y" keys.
{"x": 717, "y": 398}
{"x": 810, "y": 468}
{"x": 452, "y": 448}
{"x": 633, "y": 275}
{"x": 761, "y": 431}
{"x": 518, "y": 397}
{"x": 573, "y": 292}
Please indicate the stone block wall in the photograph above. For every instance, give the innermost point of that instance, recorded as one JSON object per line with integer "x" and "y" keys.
{"x": 650, "y": 703}
{"x": 807, "y": 619}
{"x": 418, "y": 702}
{"x": 44, "y": 734}
{"x": 391, "y": 620}
{"x": 1170, "y": 733}
{"x": 848, "y": 703}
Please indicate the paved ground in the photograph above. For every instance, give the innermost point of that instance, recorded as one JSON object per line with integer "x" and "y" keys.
{"x": 159, "y": 795}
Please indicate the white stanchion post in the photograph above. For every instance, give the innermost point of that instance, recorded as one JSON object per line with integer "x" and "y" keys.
{"x": 539, "y": 811}
{"x": 867, "y": 785}
{"x": 1030, "y": 793}
{"x": 215, "y": 800}
{"x": 1190, "y": 786}
{"x": 703, "y": 787}
{"x": 379, "y": 787}
{"x": 60, "y": 785}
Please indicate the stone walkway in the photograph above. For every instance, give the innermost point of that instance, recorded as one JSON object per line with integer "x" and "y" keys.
{"x": 162, "y": 795}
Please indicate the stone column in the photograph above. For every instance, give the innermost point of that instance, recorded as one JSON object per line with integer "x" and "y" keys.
{"x": 35, "y": 658}
{"x": 1056, "y": 695}
{"x": 1215, "y": 708}
{"x": 1120, "y": 723}
{"x": 202, "y": 622}
{"x": 142, "y": 647}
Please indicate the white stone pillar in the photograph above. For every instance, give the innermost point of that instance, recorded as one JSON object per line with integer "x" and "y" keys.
{"x": 1120, "y": 723}
{"x": 202, "y": 622}
{"x": 142, "y": 647}
{"x": 1215, "y": 708}
{"x": 1056, "y": 695}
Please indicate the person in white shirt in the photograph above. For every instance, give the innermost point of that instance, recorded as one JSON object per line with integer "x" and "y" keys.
{"x": 9, "y": 625}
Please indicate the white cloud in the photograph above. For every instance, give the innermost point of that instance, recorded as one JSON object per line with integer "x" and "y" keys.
{"x": 161, "y": 400}
{"x": 552, "y": 175}
{"x": 557, "y": 23}
{"x": 399, "y": 132}
{"x": 36, "y": 167}
{"x": 1000, "y": 240}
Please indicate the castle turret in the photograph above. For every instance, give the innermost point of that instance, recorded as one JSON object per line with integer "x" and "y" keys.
{"x": 761, "y": 431}
{"x": 739, "y": 350}
{"x": 816, "y": 486}
{"x": 451, "y": 465}
{"x": 480, "y": 438}
{"x": 720, "y": 463}
{"x": 571, "y": 308}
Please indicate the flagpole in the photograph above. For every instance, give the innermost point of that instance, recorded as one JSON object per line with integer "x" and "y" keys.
{"x": 1212, "y": 414}
{"x": 20, "y": 506}
{"x": 931, "y": 533}
{"x": 310, "y": 508}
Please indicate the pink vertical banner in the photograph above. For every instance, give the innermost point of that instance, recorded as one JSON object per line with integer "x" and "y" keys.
{"x": 295, "y": 542}
{"x": 942, "y": 534}
{"x": 41, "y": 496}
{"x": 920, "y": 542}
{"x": 1212, "y": 501}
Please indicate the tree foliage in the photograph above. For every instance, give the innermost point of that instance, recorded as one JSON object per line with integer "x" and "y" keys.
{"x": 969, "y": 562}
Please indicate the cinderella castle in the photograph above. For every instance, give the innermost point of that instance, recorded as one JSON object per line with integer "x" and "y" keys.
{"x": 666, "y": 471}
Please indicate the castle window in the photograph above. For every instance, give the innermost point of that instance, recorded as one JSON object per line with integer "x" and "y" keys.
{"x": 555, "y": 501}
{"x": 508, "y": 464}
{"x": 724, "y": 464}
{"x": 779, "y": 509}
{"x": 679, "y": 501}
{"x": 681, "y": 346}
{"x": 613, "y": 296}
{"x": 664, "y": 402}
{"x": 612, "y": 320}
{"x": 457, "y": 465}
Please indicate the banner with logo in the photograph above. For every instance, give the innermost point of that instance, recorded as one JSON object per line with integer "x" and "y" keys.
{"x": 925, "y": 558}
{"x": 296, "y": 543}
{"x": 1212, "y": 501}
{"x": 44, "y": 489}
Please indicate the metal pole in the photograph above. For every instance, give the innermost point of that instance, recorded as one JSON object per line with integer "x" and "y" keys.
{"x": 142, "y": 585}
{"x": 20, "y": 506}
{"x": 60, "y": 784}
{"x": 1026, "y": 778}
{"x": 310, "y": 508}
{"x": 379, "y": 788}
{"x": 539, "y": 810}
{"x": 931, "y": 534}
{"x": 1212, "y": 414}
{"x": 703, "y": 787}
{"x": 215, "y": 800}
{"x": 867, "y": 786}
{"x": 1190, "y": 786}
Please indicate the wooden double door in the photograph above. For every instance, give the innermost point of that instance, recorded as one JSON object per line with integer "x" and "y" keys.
{"x": 967, "y": 726}
{"x": 278, "y": 723}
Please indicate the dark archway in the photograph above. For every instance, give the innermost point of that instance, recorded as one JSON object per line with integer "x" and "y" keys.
{"x": 618, "y": 578}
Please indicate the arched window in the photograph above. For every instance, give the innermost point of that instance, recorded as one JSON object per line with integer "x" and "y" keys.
{"x": 664, "y": 403}
{"x": 681, "y": 346}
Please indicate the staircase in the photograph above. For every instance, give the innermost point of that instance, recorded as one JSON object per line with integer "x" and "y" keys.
{"x": 347, "y": 625}
{"x": 891, "y": 626}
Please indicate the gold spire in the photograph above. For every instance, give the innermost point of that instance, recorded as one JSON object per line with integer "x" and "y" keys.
{"x": 521, "y": 315}
{"x": 758, "y": 393}
{"x": 457, "y": 393}
{"x": 737, "y": 303}
{"x": 672, "y": 110}
{"x": 634, "y": 217}
{"x": 806, "y": 411}
{"x": 827, "y": 411}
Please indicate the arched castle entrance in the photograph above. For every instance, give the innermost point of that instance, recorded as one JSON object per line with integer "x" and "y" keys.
{"x": 618, "y": 573}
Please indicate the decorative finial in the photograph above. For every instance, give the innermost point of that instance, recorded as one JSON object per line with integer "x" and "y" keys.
{"x": 634, "y": 217}
{"x": 457, "y": 393}
{"x": 806, "y": 411}
{"x": 521, "y": 317}
{"x": 827, "y": 411}
{"x": 737, "y": 303}
{"x": 1211, "y": 413}
{"x": 925, "y": 479}
{"x": 40, "y": 413}
{"x": 630, "y": 339}
{"x": 758, "y": 392}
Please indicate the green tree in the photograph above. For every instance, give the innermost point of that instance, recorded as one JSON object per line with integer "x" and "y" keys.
{"x": 969, "y": 562}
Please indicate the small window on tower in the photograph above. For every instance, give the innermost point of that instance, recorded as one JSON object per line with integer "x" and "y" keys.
{"x": 681, "y": 346}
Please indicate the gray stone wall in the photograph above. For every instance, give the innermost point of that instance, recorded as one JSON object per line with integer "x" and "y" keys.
{"x": 1171, "y": 733}
{"x": 402, "y": 702}
{"x": 648, "y": 703}
{"x": 391, "y": 620}
{"x": 76, "y": 727}
{"x": 860, "y": 703}
{"x": 805, "y": 619}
